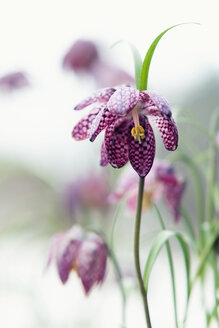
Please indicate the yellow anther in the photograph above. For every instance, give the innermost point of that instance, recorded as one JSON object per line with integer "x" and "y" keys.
{"x": 138, "y": 133}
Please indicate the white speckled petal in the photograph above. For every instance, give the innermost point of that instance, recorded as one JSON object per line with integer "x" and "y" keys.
{"x": 123, "y": 100}
{"x": 102, "y": 96}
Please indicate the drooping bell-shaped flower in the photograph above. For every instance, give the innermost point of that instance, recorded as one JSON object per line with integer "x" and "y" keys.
{"x": 81, "y": 56}
{"x": 162, "y": 181}
{"x": 123, "y": 113}
{"x": 81, "y": 251}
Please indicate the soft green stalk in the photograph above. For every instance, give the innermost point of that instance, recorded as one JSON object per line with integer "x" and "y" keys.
{"x": 136, "y": 251}
{"x": 170, "y": 259}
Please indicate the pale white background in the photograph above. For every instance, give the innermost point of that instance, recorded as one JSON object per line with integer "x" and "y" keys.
{"x": 36, "y": 124}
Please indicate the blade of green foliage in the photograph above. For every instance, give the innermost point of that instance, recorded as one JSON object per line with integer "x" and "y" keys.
{"x": 170, "y": 260}
{"x": 137, "y": 61}
{"x": 204, "y": 256}
{"x": 148, "y": 57}
{"x": 159, "y": 242}
{"x": 213, "y": 314}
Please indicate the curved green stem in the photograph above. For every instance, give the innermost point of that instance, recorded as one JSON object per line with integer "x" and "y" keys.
{"x": 136, "y": 251}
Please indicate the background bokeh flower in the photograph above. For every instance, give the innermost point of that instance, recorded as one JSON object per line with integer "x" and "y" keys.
{"x": 81, "y": 251}
{"x": 84, "y": 57}
{"x": 161, "y": 182}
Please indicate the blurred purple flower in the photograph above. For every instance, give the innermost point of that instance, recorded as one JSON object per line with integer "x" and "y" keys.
{"x": 84, "y": 252}
{"x": 13, "y": 81}
{"x": 90, "y": 190}
{"x": 162, "y": 180}
{"x": 123, "y": 112}
{"x": 83, "y": 56}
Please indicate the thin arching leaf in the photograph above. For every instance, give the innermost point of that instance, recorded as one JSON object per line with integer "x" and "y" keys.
{"x": 170, "y": 260}
{"x": 204, "y": 256}
{"x": 159, "y": 242}
{"x": 148, "y": 57}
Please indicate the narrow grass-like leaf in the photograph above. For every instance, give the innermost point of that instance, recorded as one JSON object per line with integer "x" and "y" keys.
{"x": 137, "y": 60}
{"x": 170, "y": 260}
{"x": 204, "y": 257}
{"x": 147, "y": 59}
{"x": 149, "y": 55}
{"x": 159, "y": 242}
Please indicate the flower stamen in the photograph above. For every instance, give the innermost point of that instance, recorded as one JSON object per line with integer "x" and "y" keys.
{"x": 138, "y": 133}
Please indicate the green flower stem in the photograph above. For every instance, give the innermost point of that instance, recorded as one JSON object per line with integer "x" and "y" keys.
{"x": 136, "y": 251}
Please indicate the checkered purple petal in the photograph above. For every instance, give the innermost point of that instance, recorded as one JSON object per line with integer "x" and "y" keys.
{"x": 116, "y": 142}
{"x": 102, "y": 120}
{"x": 91, "y": 262}
{"x": 123, "y": 100}
{"x": 141, "y": 155}
{"x": 103, "y": 155}
{"x": 54, "y": 245}
{"x": 82, "y": 129}
{"x": 168, "y": 130}
{"x": 102, "y": 96}
{"x": 154, "y": 104}
{"x": 68, "y": 251}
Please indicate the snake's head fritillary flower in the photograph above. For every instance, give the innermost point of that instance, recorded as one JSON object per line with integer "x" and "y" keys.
{"x": 81, "y": 251}
{"x": 81, "y": 56}
{"x": 161, "y": 181}
{"x": 13, "y": 81}
{"x": 123, "y": 112}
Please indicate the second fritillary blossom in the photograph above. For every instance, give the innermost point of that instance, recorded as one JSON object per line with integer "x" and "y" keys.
{"x": 123, "y": 113}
